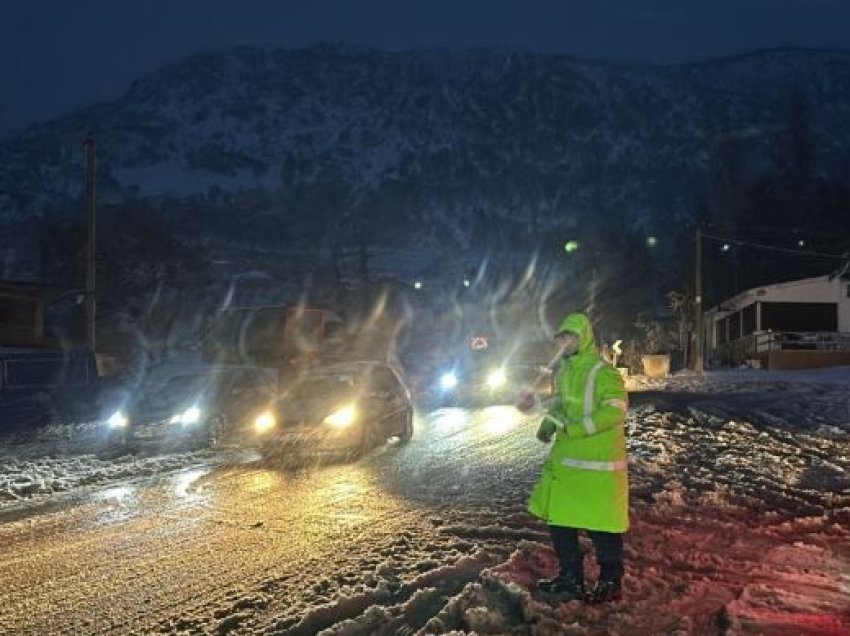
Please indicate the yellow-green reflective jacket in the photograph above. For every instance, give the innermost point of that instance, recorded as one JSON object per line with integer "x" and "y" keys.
{"x": 584, "y": 482}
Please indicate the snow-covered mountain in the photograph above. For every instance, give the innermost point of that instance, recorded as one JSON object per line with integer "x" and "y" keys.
{"x": 319, "y": 142}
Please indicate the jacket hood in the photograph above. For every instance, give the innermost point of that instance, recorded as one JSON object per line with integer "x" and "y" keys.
{"x": 580, "y": 326}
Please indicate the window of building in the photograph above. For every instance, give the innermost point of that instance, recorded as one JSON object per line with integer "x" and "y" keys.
{"x": 720, "y": 332}
{"x": 735, "y": 326}
{"x": 748, "y": 319}
{"x": 799, "y": 316}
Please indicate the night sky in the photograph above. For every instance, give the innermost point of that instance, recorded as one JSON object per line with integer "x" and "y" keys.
{"x": 58, "y": 55}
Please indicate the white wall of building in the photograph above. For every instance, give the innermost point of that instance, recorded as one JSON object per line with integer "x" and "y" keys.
{"x": 808, "y": 290}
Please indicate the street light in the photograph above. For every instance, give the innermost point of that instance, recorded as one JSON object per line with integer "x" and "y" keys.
{"x": 651, "y": 241}
{"x": 417, "y": 285}
{"x": 466, "y": 282}
{"x": 570, "y": 246}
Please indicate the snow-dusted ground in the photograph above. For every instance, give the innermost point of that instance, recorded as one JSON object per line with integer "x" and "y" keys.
{"x": 63, "y": 460}
{"x": 29, "y": 480}
{"x": 744, "y": 380}
{"x": 740, "y": 525}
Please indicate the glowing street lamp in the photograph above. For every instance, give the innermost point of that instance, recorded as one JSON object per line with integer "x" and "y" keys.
{"x": 466, "y": 282}
{"x": 651, "y": 241}
{"x": 570, "y": 246}
{"x": 417, "y": 285}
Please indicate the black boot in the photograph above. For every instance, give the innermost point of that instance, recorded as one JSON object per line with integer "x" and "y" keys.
{"x": 569, "y": 584}
{"x": 609, "y": 555}
{"x": 606, "y": 591}
{"x": 563, "y": 588}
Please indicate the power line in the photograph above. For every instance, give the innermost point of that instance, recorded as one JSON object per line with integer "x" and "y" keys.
{"x": 775, "y": 248}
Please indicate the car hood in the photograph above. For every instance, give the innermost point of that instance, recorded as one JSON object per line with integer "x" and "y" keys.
{"x": 302, "y": 411}
{"x": 153, "y": 407}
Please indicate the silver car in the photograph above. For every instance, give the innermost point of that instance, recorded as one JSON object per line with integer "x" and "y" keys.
{"x": 344, "y": 409}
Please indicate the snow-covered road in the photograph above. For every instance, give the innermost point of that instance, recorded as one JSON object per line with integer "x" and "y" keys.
{"x": 266, "y": 547}
{"x": 741, "y": 524}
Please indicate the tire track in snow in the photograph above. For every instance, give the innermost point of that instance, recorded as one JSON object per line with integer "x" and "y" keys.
{"x": 413, "y": 607}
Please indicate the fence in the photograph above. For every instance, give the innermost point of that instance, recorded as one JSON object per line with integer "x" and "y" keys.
{"x": 759, "y": 344}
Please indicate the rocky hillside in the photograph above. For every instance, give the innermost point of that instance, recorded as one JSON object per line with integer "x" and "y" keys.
{"x": 310, "y": 143}
{"x": 332, "y": 167}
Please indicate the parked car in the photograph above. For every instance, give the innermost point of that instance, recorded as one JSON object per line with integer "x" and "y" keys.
{"x": 344, "y": 409}
{"x": 194, "y": 408}
{"x": 40, "y": 388}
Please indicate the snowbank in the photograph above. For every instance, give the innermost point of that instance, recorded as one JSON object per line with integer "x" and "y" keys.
{"x": 34, "y": 479}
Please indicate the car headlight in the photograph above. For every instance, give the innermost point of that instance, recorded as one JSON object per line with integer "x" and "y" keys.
{"x": 189, "y": 416}
{"x": 448, "y": 381}
{"x": 264, "y": 422}
{"x": 342, "y": 418}
{"x": 496, "y": 379}
{"x": 117, "y": 420}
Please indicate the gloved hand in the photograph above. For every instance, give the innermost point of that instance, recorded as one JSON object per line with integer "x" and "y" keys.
{"x": 526, "y": 401}
{"x": 546, "y": 430}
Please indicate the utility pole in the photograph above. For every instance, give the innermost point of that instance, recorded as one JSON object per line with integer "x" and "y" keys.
{"x": 698, "y": 344}
{"x": 91, "y": 185}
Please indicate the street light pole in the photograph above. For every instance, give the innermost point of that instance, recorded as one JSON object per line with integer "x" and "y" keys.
{"x": 91, "y": 184}
{"x": 698, "y": 345}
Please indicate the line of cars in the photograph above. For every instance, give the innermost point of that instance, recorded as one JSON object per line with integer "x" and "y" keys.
{"x": 479, "y": 374}
{"x": 343, "y": 409}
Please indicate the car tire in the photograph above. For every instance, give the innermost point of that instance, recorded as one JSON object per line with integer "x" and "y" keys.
{"x": 451, "y": 401}
{"x": 406, "y": 432}
{"x": 119, "y": 439}
{"x": 369, "y": 440}
{"x": 215, "y": 431}
{"x": 114, "y": 448}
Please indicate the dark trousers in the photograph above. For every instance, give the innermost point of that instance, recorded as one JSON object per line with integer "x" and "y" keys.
{"x": 608, "y": 547}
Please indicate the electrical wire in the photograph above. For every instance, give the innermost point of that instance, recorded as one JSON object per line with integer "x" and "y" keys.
{"x": 787, "y": 250}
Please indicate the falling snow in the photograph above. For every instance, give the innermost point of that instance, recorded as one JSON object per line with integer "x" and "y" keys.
{"x": 740, "y": 485}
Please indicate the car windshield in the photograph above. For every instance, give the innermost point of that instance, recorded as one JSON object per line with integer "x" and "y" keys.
{"x": 323, "y": 386}
{"x": 315, "y": 392}
{"x": 479, "y": 359}
{"x": 175, "y": 390}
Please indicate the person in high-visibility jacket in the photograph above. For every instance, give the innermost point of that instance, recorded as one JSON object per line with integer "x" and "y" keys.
{"x": 584, "y": 482}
